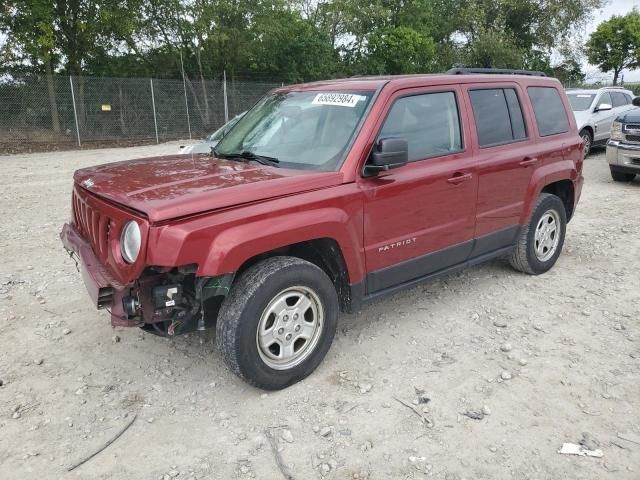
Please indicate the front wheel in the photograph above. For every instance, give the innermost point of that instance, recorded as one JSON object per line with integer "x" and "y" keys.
{"x": 540, "y": 242}
{"x": 278, "y": 322}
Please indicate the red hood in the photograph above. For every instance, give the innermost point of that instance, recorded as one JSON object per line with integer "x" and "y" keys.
{"x": 179, "y": 185}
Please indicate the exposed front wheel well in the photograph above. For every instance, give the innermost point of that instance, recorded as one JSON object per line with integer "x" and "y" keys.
{"x": 322, "y": 252}
{"x": 564, "y": 190}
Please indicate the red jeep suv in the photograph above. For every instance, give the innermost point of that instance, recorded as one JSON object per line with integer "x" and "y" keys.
{"x": 323, "y": 197}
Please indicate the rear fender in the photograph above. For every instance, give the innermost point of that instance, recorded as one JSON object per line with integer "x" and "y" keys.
{"x": 543, "y": 176}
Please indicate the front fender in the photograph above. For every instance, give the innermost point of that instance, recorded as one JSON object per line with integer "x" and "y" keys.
{"x": 235, "y": 245}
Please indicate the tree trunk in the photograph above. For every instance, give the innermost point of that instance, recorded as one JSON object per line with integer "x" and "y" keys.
{"x": 616, "y": 73}
{"x": 53, "y": 104}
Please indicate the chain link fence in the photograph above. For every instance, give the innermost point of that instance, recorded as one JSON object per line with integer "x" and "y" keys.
{"x": 56, "y": 112}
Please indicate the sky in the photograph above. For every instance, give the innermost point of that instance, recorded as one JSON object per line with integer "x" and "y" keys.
{"x": 614, "y": 7}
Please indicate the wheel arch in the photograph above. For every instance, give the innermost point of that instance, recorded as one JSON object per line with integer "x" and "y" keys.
{"x": 565, "y": 190}
{"x": 325, "y": 253}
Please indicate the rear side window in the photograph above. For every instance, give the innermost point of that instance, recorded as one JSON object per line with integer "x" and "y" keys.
{"x": 430, "y": 123}
{"x": 619, "y": 99}
{"x": 551, "y": 116}
{"x": 498, "y": 116}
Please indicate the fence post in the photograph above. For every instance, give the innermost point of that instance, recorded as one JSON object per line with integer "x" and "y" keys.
{"x": 153, "y": 103}
{"x": 224, "y": 93}
{"x": 75, "y": 112}
{"x": 186, "y": 101}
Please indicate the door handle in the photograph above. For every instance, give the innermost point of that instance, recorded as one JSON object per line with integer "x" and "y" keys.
{"x": 528, "y": 161}
{"x": 459, "y": 177}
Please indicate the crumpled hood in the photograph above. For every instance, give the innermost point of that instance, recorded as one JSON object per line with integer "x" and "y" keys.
{"x": 179, "y": 185}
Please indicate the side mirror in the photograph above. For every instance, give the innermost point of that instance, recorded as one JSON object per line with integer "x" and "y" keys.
{"x": 388, "y": 153}
{"x": 603, "y": 107}
{"x": 636, "y": 101}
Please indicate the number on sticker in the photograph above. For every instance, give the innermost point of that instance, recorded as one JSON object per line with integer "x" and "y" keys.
{"x": 339, "y": 99}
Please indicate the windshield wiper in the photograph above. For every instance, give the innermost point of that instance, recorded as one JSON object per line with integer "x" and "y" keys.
{"x": 247, "y": 155}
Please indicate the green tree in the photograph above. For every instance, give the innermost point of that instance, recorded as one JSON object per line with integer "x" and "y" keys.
{"x": 615, "y": 45}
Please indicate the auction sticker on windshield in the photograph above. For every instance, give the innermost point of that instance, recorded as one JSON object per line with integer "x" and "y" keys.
{"x": 339, "y": 99}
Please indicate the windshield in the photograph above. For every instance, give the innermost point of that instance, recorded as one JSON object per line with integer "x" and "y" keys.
{"x": 303, "y": 130}
{"x": 580, "y": 101}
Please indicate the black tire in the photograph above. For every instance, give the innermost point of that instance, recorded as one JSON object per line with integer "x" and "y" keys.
{"x": 524, "y": 257}
{"x": 239, "y": 316}
{"x": 621, "y": 176}
{"x": 587, "y": 140}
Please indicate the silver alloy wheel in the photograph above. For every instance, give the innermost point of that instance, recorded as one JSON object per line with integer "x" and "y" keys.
{"x": 290, "y": 328}
{"x": 547, "y": 235}
{"x": 586, "y": 140}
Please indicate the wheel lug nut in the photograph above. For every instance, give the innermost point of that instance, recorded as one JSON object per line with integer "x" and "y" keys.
{"x": 281, "y": 331}
{"x": 286, "y": 317}
{"x": 297, "y": 328}
{"x": 295, "y": 317}
{"x": 288, "y": 337}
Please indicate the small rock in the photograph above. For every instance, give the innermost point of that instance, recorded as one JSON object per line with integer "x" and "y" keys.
{"x": 244, "y": 469}
{"x": 474, "y": 414}
{"x": 506, "y": 347}
{"x": 505, "y": 375}
{"x": 493, "y": 449}
{"x": 66, "y": 331}
{"x": 619, "y": 326}
{"x": 522, "y": 361}
{"x": 586, "y": 313}
{"x": 15, "y": 415}
{"x": 365, "y": 387}
{"x": 325, "y": 431}
{"x": 150, "y": 420}
{"x": 325, "y": 469}
{"x": 174, "y": 473}
{"x": 286, "y": 435}
{"x": 499, "y": 323}
{"x": 263, "y": 396}
{"x": 486, "y": 410}
{"x": 115, "y": 339}
{"x": 38, "y": 361}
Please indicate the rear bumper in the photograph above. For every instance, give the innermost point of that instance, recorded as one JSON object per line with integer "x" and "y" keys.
{"x": 103, "y": 289}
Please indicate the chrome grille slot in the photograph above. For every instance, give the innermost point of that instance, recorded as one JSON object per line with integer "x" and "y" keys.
{"x": 92, "y": 225}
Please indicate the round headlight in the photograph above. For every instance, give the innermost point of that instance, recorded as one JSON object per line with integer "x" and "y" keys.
{"x": 130, "y": 241}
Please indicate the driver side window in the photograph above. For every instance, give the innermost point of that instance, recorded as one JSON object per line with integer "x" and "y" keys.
{"x": 429, "y": 122}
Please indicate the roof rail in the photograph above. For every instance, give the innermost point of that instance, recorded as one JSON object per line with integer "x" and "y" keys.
{"x": 500, "y": 71}
{"x": 617, "y": 87}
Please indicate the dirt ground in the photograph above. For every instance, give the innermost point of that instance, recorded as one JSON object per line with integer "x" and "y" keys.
{"x": 537, "y": 360}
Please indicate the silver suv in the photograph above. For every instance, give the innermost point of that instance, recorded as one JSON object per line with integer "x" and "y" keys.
{"x": 595, "y": 111}
{"x": 623, "y": 150}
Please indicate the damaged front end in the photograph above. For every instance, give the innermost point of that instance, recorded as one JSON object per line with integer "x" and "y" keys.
{"x": 172, "y": 301}
{"x": 162, "y": 300}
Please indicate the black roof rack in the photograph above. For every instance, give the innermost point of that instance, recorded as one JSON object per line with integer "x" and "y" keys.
{"x": 500, "y": 71}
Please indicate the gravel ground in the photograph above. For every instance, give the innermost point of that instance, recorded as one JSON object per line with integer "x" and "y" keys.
{"x": 538, "y": 361}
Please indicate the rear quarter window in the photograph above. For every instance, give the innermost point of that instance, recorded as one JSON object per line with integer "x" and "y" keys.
{"x": 549, "y": 111}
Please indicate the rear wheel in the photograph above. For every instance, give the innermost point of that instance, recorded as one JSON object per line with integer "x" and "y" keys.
{"x": 278, "y": 322}
{"x": 621, "y": 176}
{"x": 540, "y": 242}
{"x": 587, "y": 141}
